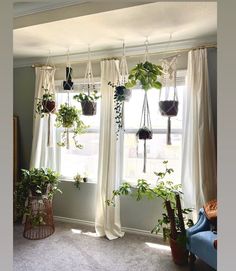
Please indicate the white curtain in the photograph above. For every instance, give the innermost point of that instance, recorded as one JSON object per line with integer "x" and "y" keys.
{"x": 107, "y": 220}
{"x": 42, "y": 154}
{"x": 199, "y": 155}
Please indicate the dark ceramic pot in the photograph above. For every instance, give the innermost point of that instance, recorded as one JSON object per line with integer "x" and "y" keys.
{"x": 179, "y": 252}
{"x": 122, "y": 93}
{"x": 169, "y": 108}
{"x": 48, "y": 106}
{"x": 144, "y": 133}
{"x": 89, "y": 108}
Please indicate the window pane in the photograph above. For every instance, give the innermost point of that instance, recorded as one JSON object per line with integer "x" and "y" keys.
{"x": 82, "y": 161}
{"x": 157, "y": 152}
{"x": 133, "y": 110}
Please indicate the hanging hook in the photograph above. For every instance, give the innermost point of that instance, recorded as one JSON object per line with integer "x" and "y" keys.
{"x": 146, "y": 49}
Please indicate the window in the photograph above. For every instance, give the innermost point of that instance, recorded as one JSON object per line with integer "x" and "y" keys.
{"x": 73, "y": 160}
{"x": 157, "y": 149}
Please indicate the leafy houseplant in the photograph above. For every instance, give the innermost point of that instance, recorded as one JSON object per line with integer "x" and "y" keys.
{"x": 88, "y": 102}
{"x": 46, "y": 104}
{"x": 40, "y": 184}
{"x": 68, "y": 117}
{"x": 170, "y": 194}
{"x": 121, "y": 95}
{"x": 146, "y": 74}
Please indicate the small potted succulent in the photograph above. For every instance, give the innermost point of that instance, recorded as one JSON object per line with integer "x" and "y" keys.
{"x": 146, "y": 74}
{"x": 88, "y": 102}
{"x": 78, "y": 179}
{"x": 46, "y": 104}
{"x": 68, "y": 117}
{"x": 68, "y": 84}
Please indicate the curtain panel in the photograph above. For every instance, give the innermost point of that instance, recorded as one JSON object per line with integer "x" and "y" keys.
{"x": 199, "y": 154}
{"x": 107, "y": 220}
{"x": 42, "y": 154}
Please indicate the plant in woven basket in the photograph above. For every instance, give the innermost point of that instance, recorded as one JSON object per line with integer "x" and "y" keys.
{"x": 88, "y": 102}
{"x": 46, "y": 104}
{"x": 146, "y": 74}
{"x": 174, "y": 221}
{"x": 38, "y": 183}
{"x": 68, "y": 117}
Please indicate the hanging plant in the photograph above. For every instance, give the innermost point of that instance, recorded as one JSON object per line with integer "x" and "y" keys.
{"x": 46, "y": 104}
{"x": 68, "y": 117}
{"x": 144, "y": 133}
{"x": 88, "y": 102}
{"x": 169, "y": 105}
{"x": 146, "y": 74}
{"x": 68, "y": 84}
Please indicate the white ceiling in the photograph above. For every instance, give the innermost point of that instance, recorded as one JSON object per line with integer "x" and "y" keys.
{"x": 105, "y": 31}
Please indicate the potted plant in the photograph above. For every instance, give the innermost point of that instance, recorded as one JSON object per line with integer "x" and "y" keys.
{"x": 173, "y": 220}
{"x": 68, "y": 117}
{"x": 169, "y": 108}
{"x": 38, "y": 183}
{"x": 78, "y": 179}
{"x": 121, "y": 95}
{"x": 46, "y": 104}
{"x": 88, "y": 102}
{"x": 144, "y": 133}
{"x": 146, "y": 74}
{"x": 68, "y": 84}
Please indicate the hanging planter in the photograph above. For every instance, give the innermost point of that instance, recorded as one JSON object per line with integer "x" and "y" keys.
{"x": 68, "y": 84}
{"x": 46, "y": 105}
{"x": 145, "y": 131}
{"x": 68, "y": 117}
{"x": 169, "y": 105}
{"x": 88, "y": 102}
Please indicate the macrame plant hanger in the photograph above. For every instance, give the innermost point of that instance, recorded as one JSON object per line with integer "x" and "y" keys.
{"x": 169, "y": 107}
{"x": 145, "y": 130}
{"x": 88, "y": 77}
{"x": 48, "y": 84}
{"x": 68, "y": 85}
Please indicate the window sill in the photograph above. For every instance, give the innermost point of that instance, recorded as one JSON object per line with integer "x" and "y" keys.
{"x": 63, "y": 179}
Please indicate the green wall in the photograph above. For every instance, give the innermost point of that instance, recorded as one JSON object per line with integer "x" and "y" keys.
{"x": 24, "y": 80}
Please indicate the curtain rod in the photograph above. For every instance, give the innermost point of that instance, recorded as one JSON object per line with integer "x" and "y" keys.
{"x": 182, "y": 50}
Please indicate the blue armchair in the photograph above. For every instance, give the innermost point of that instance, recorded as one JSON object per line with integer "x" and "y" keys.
{"x": 201, "y": 241}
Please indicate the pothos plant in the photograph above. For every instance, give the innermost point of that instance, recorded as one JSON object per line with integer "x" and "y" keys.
{"x": 146, "y": 74}
{"x": 82, "y": 97}
{"x": 164, "y": 189}
{"x": 45, "y": 104}
{"x": 68, "y": 117}
{"x": 40, "y": 184}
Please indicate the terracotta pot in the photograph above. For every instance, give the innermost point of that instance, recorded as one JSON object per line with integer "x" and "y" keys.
{"x": 179, "y": 252}
{"x": 144, "y": 133}
{"x": 49, "y": 106}
{"x": 169, "y": 108}
{"x": 89, "y": 108}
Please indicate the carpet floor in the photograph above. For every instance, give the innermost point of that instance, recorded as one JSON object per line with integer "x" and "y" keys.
{"x": 75, "y": 247}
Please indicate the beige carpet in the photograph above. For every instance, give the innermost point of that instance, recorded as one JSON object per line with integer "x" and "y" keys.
{"x": 76, "y": 248}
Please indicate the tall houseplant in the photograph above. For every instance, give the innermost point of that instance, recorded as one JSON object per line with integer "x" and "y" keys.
{"x": 173, "y": 218}
{"x": 68, "y": 117}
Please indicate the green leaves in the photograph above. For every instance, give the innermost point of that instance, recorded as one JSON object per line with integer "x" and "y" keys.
{"x": 68, "y": 117}
{"x": 86, "y": 97}
{"x": 146, "y": 74}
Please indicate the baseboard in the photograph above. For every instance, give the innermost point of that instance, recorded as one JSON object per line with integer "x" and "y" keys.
{"x": 91, "y": 223}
